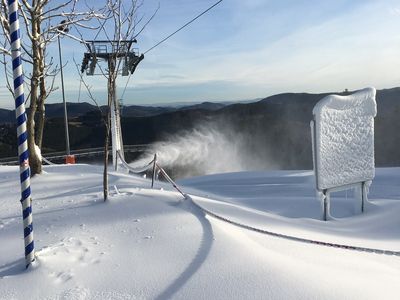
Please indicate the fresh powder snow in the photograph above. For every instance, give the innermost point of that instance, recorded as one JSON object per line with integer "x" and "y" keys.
{"x": 152, "y": 244}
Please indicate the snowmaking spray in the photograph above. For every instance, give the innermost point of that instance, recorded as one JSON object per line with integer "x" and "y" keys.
{"x": 206, "y": 149}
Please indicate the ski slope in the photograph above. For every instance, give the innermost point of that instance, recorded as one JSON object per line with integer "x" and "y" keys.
{"x": 152, "y": 244}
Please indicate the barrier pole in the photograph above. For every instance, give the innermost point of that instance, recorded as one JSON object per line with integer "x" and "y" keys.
{"x": 170, "y": 180}
{"x": 153, "y": 177}
{"x": 20, "y": 114}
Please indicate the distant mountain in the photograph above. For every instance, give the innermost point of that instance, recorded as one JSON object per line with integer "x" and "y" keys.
{"x": 74, "y": 110}
{"x": 275, "y": 129}
{"x": 145, "y": 111}
{"x": 205, "y": 105}
{"x": 191, "y": 103}
{"x": 56, "y": 110}
{"x": 6, "y": 116}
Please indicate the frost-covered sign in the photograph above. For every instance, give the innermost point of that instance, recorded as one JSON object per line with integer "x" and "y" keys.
{"x": 343, "y": 145}
{"x": 344, "y": 139}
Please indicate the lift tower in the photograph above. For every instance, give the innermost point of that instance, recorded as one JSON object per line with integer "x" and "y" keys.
{"x": 120, "y": 58}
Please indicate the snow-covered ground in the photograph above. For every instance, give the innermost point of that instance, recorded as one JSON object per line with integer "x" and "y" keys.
{"x": 152, "y": 244}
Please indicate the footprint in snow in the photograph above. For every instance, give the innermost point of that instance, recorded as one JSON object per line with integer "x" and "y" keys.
{"x": 62, "y": 277}
{"x": 69, "y": 249}
{"x": 4, "y": 222}
{"x": 95, "y": 240}
{"x": 76, "y": 293}
{"x": 95, "y": 261}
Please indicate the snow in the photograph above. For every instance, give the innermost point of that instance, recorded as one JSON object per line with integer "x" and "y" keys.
{"x": 38, "y": 152}
{"x": 344, "y": 139}
{"x": 152, "y": 244}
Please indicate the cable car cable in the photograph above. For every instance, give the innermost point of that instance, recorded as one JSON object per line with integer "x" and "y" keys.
{"x": 180, "y": 28}
{"x": 166, "y": 38}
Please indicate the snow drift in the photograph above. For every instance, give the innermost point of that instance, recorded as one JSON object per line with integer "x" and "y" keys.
{"x": 149, "y": 244}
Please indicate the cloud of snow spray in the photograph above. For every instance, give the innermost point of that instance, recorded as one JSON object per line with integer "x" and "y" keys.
{"x": 206, "y": 149}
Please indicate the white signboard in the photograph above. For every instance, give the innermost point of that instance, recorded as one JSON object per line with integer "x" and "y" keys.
{"x": 343, "y": 139}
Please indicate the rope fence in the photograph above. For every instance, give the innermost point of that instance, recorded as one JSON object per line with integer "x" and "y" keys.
{"x": 156, "y": 168}
{"x": 47, "y": 161}
{"x": 134, "y": 170}
{"x": 171, "y": 181}
{"x": 294, "y": 238}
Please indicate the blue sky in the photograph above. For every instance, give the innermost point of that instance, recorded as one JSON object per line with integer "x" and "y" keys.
{"x": 254, "y": 48}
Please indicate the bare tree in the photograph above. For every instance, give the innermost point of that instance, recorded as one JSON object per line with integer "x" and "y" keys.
{"x": 119, "y": 32}
{"x": 40, "y": 26}
{"x": 4, "y": 51}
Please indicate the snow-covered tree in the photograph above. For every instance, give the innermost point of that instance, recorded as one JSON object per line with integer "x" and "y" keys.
{"x": 40, "y": 25}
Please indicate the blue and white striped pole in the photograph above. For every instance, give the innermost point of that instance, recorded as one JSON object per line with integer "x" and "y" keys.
{"x": 23, "y": 154}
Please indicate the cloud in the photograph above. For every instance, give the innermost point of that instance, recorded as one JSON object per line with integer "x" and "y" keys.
{"x": 340, "y": 48}
{"x": 258, "y": 47}
{"x": 395, "y": 11}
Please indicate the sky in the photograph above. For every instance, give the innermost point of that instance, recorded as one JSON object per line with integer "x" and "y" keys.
{"x": 251, "y": 49}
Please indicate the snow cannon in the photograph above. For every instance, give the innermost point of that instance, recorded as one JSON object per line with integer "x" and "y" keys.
{"x": 342, "y": 132}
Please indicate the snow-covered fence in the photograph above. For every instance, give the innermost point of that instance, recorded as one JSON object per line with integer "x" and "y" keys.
{"x": 156, "y": 168}
{"x": 20, "y": 113}
{"x": 170, "y": 180}
{"x": 131, "y": 169}
{"x": 343, "y": 145}
{"x": 118, "y": 152}
{"x": 154, "y": 173}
